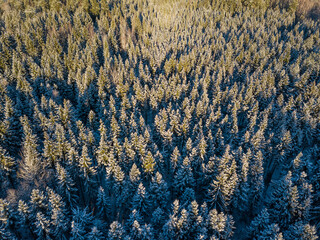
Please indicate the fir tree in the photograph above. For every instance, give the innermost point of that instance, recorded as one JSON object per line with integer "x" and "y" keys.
{"x": 81, "y": 222}
{"x": 42, "y": 226}
{"x": 271, "y": 232}
{"x": 103, "y": 203}
{"x": 116, "y": 231}
{"x": 184, "y": 177}
{"x": 95, "y": 234}
{"x": 59, "y": 221}
{"x": 66, "y": 185}
{"x": 259, "y": 224}
{"x": 223, "y": 187}
{"x": 141, "y": 200}
{"x": 148, "y": 163}
{"x": 220, "y": 225}
{"x": 6, "y": 165}
{"x": 283, "y": 202}
{"x": 301, "y": 231}
{"x": 159, "y": 193}
{"x": 30, "y": 166}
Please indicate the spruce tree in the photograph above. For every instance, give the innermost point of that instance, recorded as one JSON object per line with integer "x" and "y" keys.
{"x": 31, "y": 162}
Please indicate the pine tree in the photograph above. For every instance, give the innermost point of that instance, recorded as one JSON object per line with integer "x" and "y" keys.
{"x": 158, "y": 220}
{"x": 23, "y": 216}
{"x": 6, "y": 165}
{"x": 59, "y": 221}
{"x": 134, "y": 216}
{"x": 66, "y": 185}
{"x": 6, "y": 213}
{"x": 174, "y": 160}
{"x": 81, "y": 222}
{"x": 148, "y": 163}
{"x": 38, "y": 202}
{"x": 85, "y": 164}
{"x": 220, "y": 225}
{"x": 283, "y": 202}
{"x": 243, "y": 191}
{"x": 197, "y": 223}
{"x": 88, "y": 172}
{"x": 62, "y": 145}
{"x": 14, "y": 130}
{"x": 115, "y": 129}
{"x": 299, "y": 230}
{"x": 141, "y": 200}
{"x": 178, "y": 224}
{"x": 31, "y": 162}
{"x": 103, "y": 204}
{"x": 49, "y": 151}
{"x": 202, "y": 148}
{"x": 42, "y": 226}
{"x": 134, "y": 174}
{"x": 272, "y": 231}
{"x": 113, "y": 169}
{"x": 259, "y": 224}
{"x": 102, "y": 151}
{"x": 116, "y": 231}
{"x": 256, "y": 181}
{"x": 159, "y": 193}
{"x": 95, "y": 234}
{"x": 223, "y": 187}
{"x": 147, "y": 232}
{"x": 184, "y": 177}
{"x": 305, "y": 198}
{"x": 5, "y": 234}
{"x": 137, "y": 229}
{"x": 77, "y": 231}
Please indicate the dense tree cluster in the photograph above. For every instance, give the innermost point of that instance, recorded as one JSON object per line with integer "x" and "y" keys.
{"x": 142, "y": 119}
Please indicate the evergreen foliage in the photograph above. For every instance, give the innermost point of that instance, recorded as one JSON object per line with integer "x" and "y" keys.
{"x": 145, "y": 119}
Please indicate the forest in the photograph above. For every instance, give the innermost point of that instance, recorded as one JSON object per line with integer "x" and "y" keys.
{"x": 159, "y": 119}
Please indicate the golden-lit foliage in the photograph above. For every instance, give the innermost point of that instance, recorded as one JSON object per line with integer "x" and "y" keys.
{"x": 137, "y": 119}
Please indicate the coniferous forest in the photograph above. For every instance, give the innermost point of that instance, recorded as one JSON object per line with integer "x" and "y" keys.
{"x": 159, "y": 119}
